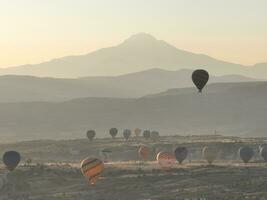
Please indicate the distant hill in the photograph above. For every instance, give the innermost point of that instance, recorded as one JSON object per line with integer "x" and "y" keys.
{"x": 27, "y": 88}
{"x": 139, "y": 52}
{"x": 237, "y": 109}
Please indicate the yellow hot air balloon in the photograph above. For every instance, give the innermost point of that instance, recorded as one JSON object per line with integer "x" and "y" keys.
{"x": 166, "y": 160}
{"x": 91, "y": 169}
{"x": 137, "y": 132}
{"x": 210, "y": 154}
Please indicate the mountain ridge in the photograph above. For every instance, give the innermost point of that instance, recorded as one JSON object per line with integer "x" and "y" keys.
{"x": 15, "y": 88}
{"x": 237, "y": 109}
{"x": 139, "y": 52}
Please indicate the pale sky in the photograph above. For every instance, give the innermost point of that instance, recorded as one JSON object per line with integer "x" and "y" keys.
{"x": 33, "y": 31}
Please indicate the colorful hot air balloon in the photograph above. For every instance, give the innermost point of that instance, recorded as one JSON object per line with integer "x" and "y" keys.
{"x": 166, "y": 160}
{"x": 180, "y": 154}
{"x": 126, "y": 134}
{"x": 113, "y": 132}
{"x": 246, "y": 153}
{"x": 91, "y": 134}
{"x": 144, "y": 152}
{"x": 263, "y": 153}
{"x": 146, "y": 134}
{"x": 200, "y": 78}
{"x": 91, "y": 169}
{"x": 11, "y": 159}
{"x": 210, "y": 154}
{"x": 137, "y": 132}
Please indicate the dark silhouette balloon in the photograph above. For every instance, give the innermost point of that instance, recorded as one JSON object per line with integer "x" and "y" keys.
{"x": 126, "y": 134}
{"x": 246, "y": 153}
{"x": 263, "y": 153}
{"x": 11, "y": 159}
{"x": 154, "y": 135}
{"x": 113, "y": 132}
{"x": 180, "y": 154}
{"x": 200, "y": 78}
{"x": 146, "y": 134}
{"x": 91, "y": 134}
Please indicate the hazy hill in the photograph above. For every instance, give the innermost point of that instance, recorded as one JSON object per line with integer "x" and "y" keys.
{"x": 139, "y": 52}
{"x": 28, "y": 88}
{"x": 230, "y": 108}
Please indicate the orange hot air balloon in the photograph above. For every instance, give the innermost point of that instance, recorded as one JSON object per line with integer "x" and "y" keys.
{"x": 137, "y": 132}
{"x": 166, "y": 160}
{"x": 91, "y": 169}
{"x": 144, "y": 152}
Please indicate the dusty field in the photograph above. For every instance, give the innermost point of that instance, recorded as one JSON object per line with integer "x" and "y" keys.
{"x": 133, "y": 181}
{"x": 55, "y": 173}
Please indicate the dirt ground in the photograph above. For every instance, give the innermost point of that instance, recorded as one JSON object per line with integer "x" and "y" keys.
{"x": 134, "y": 181}
{"x": 55, "y": 174}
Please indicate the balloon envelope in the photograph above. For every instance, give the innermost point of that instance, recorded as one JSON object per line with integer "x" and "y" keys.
{"x": 146, "y": 134}
{"x": 166, "y": 160}
{"x": 262, "y": 145}
{"x": 137, "y": 132}
{"x": 246, "y": 153}
{"x": 11, "y": 159}
{"x": 91, "y": 169}
{"x": 210, "y": 154}
{"x": 144, "y": 152}
{"x": 91, "y": 134}
{"x": 154, "y": 134}
{"x": 200, "y": 78}
{"x": 126, "y": 134}
{"x": 180, "y": 154}
{"x": 113, "y": 132}
{"x": 263, "y": 153}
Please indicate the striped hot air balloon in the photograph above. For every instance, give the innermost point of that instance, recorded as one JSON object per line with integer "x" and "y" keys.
{"x": 144, "y": 152}
{"x": 166, "y": 160}
{"x": 91, "y": 169}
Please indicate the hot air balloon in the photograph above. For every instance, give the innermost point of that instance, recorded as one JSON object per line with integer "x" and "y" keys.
{"x": 261, "y": 146}
{"x": 180, "y": 154}
{"x": 200, "y": 78}
{"x": 106, "y": 153}
{"x": 11, "y": 159}
{"x": 144, "y": 152}
{"x": 263, "y": 153}
{"x": 210, "y": 154}
{"x": 91, "y": 169}
{"x": 91, "y": 134}
{"x": 113, "y": 132}
{"x": 126, "y": 134}
{"x": 137, "y": 132}
{"x": 154, "y": 135}
{"x": 146, "y": 134}
{"x": 166, "y": 160}
{"x": 246, "y": 153}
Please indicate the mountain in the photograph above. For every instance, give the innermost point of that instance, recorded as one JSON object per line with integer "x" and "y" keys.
{"x": 237, "y": 109}
{"x": 139, "y": 52}
{"x": 28, "y": 88}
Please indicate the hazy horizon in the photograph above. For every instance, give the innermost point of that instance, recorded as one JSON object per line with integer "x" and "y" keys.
{"x": 38, "y": 31}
